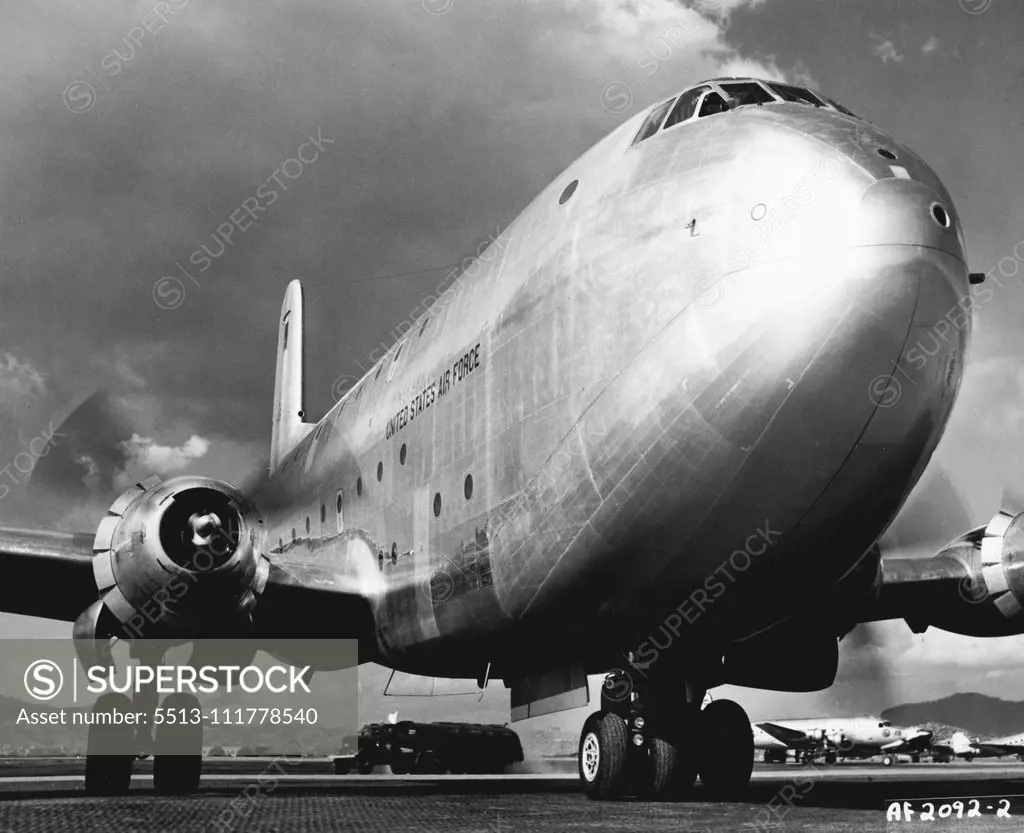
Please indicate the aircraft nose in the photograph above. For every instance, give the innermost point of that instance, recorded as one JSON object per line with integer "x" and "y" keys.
{"x": 903, "y": 212}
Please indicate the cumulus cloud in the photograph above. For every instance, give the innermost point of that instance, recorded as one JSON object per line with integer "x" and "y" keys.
{"x": 930, "y": 45}
{"x": 887, "y": 51}
{"x": 20, "y": 383}
{"x": 147, "y": 457}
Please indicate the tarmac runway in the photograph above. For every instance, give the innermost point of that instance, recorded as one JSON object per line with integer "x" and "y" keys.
{"x": 294, "y": 796}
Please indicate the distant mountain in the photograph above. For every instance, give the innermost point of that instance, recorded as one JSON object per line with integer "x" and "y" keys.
{"x": 943, "y": 732}
{"x": 975, "y": 714}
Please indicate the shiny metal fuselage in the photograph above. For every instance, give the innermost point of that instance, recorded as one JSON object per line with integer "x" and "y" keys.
{"x": 709, "y": 378}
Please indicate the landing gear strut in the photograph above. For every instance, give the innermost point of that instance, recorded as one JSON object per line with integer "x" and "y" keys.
{"x": 652, "y": 740}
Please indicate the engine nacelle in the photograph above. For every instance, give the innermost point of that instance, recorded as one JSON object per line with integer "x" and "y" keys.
{"x": 179, "y": 559}
{"x": 974, "y": 586}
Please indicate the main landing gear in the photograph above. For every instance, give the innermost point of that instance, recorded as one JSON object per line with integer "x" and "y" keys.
{"x": 114, "y": 744}
{"x": 653, "y": 742}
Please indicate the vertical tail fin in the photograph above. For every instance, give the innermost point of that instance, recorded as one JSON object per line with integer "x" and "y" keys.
{"x": 961, "y": 744}
{"x": 289, "y": 383}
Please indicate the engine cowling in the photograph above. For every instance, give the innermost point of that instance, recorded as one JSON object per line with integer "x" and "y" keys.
{"x": 176, "y": 559}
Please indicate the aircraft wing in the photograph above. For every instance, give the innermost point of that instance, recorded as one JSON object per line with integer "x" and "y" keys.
{"x": 918, "y": 742}
{"x": 47, "y": 574}
{"x": 784, "y": 734}
{"x": 973, "y": 586}
{"x": 53, "y": 575}
{"x": 995, "y": 748}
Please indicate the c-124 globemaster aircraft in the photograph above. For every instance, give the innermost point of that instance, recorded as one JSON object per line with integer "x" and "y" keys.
{"x": 714, "y": 335}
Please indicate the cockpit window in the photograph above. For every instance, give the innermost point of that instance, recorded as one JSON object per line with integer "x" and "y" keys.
{"x": 686, "y": 107}
{"x": 747, "y": 92}
{"x": 713, "y": 103}
{"x": 841, "y": 108}
{"x": 796, "y": 94}
{"x": 653, "y": 121}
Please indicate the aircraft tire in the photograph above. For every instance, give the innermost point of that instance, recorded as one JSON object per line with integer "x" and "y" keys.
{"x": 728, "y": 748}
{"x": 888, "y": 760}
{"x": 108, "y": 767}
{"x": 108, "y": 774}
{"x": 667, "y": 772}
{"x": 831, "y": 758}
{"x": 178, "y": 763}
{"x": 604, "y": 744}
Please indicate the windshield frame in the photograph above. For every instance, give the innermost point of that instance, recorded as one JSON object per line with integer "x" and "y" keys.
{"x": 718, "y": 87}
{"x": 817, "y": 100}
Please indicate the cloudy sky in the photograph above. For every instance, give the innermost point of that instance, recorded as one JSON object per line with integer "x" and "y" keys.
{"x": 130, "y": 132}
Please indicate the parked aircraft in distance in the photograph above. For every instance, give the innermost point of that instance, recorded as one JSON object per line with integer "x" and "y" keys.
{"x": 832, "y": 738}
{"x": 962, "y": 746}
{"x": 658, "y": 433}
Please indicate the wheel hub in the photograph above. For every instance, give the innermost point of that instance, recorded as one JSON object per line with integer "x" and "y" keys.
{"x": 591, "y": 756}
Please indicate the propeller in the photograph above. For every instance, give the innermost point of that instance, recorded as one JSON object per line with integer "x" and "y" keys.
{"x": 935, "y": 513}
{"x": 89, "y": 458}
{"x": 86, "y": 465}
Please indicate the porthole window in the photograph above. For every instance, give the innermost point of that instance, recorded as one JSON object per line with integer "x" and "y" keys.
{"x": 394, "y": 552}
{"x": 940, "y": 215}
{"x": 380, "y": 471}
{"x": 401, "y": 454}
{"x": 307, "y": 524}
{"x": 323, "y": 513}
{"x": 339, "y": 503}
{"x": 570, "y": 189}
{"x": 359, "y": 486}
{"x": 293, "y": 534}
{"x": 468, "y": 487}
{"x": 437, "y": 505}
{"x": 426, "y": 320}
